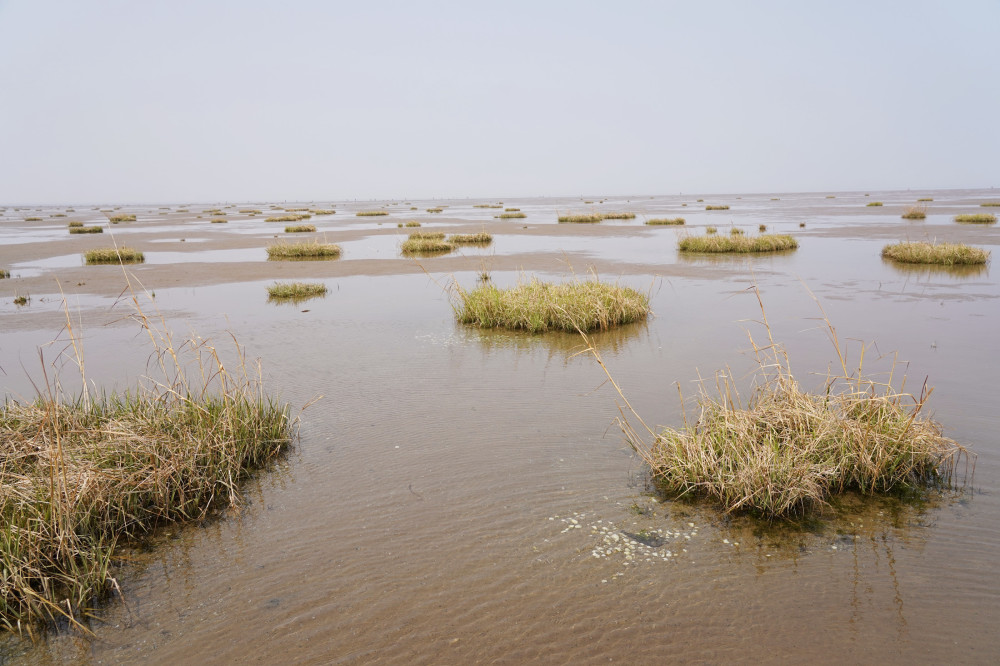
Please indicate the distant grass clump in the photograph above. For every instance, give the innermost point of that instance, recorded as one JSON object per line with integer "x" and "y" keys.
{"x": 785, "y": 452}
{"x": 219, "y": 220}
{"x": 4, "y": 274}
{"x": 537, "y": 306}
{"x": 716, "y": 207}
{"x": 114, "y": 255}
{"x": 82, "y": 476}
{"x": 976, "y": 218}
{"x": 427, "y": 235}
{"x": 583, "y": 218}
{"x": 711, "y": 230}
{"x": 873, "y": 203}
{"x": 762, "y": 228}
{"x": 426, "y": 242}
{"x": 512, "y": 210}
{"x": 296, "y": 291}
{"x": 668, "y": 221}
{"x": 512, "y": 216}
{"x": 74, "y": 224}
{"x": 115, "y": 219}
{"x": 86, "y": 230}
{"x": 487, "y": 206}
{"x": 914, "y": 213}
{"x": 300, "y": 228}
{"x": 990, "y": 204}
{"x": 434, "y": 210}
{"x": 323, "y": 211}
{"x": 371, "y": 213}
{"x": 618, "y": 216}
{"x": 944, "y": 254}
{"x": 482, "y": 238}
{"x": 304, "y": 250}
{"x": 295, "y": 217}
{"x": 249, "y": 211}
{"x": 739, "y": 244}
{"x": 736, "y": 231}
{"x": 922, "y": 199}
{"x": 32, "y": 219}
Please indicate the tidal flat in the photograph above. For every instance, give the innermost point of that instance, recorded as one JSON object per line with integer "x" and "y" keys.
{"x": 458, "y": 495}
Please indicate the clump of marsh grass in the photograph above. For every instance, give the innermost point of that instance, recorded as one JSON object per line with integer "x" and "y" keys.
{"x": 323, "y": 211}
{"x": 711, "y": 230}
{"x": 990, "y": 204}
{"x": 512, "y": 210}
{"x": 481, "y": 238}
{"x": 83, "y": 475}
{"x": 304, "y": 250}
{"x": 618, "y": 216}
{"x": 487, "y": 206}
{"x": 81, "y": 229}
{"x": 4, "y": 274}
{"x": 716, "y": 207}
{"x": 512, "y": 216}
{"x": 976, "y": 218}
{"x": 294, "y": 217}
{"x": 21, "y": 299}
{"x": 32, "y": 219}
{"x": 300, "y": 228}
{"x": 371, "y": 213}
{"x": 426, "y": 242}
{"x": 249, "y": 211}
{"x": 114, "y": 255}
{"x": 944, "y": 254}
{"x": 736, "y": 231}
{"x": 737, "y": 243}
{"x": 115, "y": 219}
{"x": 434, "y": 210}
{"x": 871, "y": 204}
{"x": 219, "y": 220}
{"x": 295, "y": 291}
{"x": 915, "y": 213}
{"x": 537, "y": 306}
{"x": 922, "y": 199}
{"x": 583, "y": 218}
{"x": 762, "y": 228}
{"x": 74, "y": 224}
{"x": 784, "y": 451}
{"x": 411, "y": 223}
{"x": 667, "y": 221}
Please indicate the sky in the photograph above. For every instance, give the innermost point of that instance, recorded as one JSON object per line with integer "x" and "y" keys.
{"x": 213, "y": 100}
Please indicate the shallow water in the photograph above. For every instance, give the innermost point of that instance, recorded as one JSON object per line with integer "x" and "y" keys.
{"x": 449, "y": 491}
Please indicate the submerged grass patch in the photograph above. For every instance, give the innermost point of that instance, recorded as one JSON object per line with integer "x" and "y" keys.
{"x": 871, "y": 204}
{"x": 296, "y": 291}
{"x": 84, "y": 475}
{"x": 300, "y": 228}
{"x": 323, "y": 211}
{"x": 512, "y": 216}
{"x": 371, "y": 213}
{"x": 81, "y": 229}
{"x": 303, "y": 250}
{"x": 295, "y": 217}
{"x": 737, "y": 243}
{"x": 481, "y": 238}
{"x": 114, "y": 255}
{"x": 428, "y": 243}
{"x": 618, "y": 216}
{"x": 915, "y": 213}
{"x": 584, "y": 218}
{"x": 786, "y": 452}
{"x": 669, "y": 221}
{"x": 434, "y": 210}
{"x": 944, "y": 254}
{"x": 716, "y": 207}
{"x": 976, "y": 218}
{"x": 990, "y": 204}
{"x": 115, "y": 219}
{"x": 537, "y": 306}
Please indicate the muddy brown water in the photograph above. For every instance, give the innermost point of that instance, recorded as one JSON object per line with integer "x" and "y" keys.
{"x": 448, "y": 493}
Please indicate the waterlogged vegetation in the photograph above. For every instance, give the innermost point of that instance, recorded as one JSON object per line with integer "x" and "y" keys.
{"x": 944, "y": 254}
{"x": 737, "y": 243}
{"x": 873, "y": 204}
{"x": 83, "y": 475}
{"x": 303, "y": 250}
{"x": 537, "y": 306}
{"x": 219, "y": 220}
{"x": 582, "y": 218}
{"x": 618, "y": 216}
{"x": 990, "y": 204}
{"x": 426, "y": 242}
{"x": 300, "y": 228}
{"x": 79, "y": 228}
{"x": 915, "y": 213}
{"x": 115, "y": 219}
{"x": 434, "y": 210}
{"x": 294, "y": 217}
{"x": 323, "y": 211}
{"x": 784, "y": 452}
{"x": 481, "y": 238}
{"x": 512, "y": 216}
{"x": 114, "y": 255}
{"x": 667, "y": 221}
{"x": 295, "y": 291}
{"x": 716, "y": 207}
{"x": 371, "y": 213}
{"x": 976, "y": 218}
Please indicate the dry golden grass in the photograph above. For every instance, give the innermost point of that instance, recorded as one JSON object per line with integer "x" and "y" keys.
{"x": 737, "y": 243}
{"x": 371, "y": 213}
{"x": 300, "y": 228}
{"x": 295, "y": 291}
{"x": 915, "y": 213}
{"x": 944, "y": 254}
{"x": 295, "y": 217}
{"x": 976, "y": 218}
{"x": 303, "y": 250}
{"x": 583, "y": 218}
{"x": 114, "y": 255}
{"x": 481, "y": 238}
{"x": 668, "y": 221}
{"x": 716, "y": 207}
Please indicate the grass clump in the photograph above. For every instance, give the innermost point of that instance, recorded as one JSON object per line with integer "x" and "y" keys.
{"x": 871, "y": 204}
{"x": 21, "y": 299}
{"x": 371, "y": 213}
{"x": 304, "y": 250}
{"x": 294, "y": 217}
{"x": 915, "y": 213}
{"x": 922, "y": 199}
{"x": 74, "y": 224}
{"x": 300, "y": 228}
{"x": 481, "y": 238}
{"x": 976, "y": 218}
{"x": 716, "y": 207}
{"x": 296, "y": 291}
{"x": 737, "y": 243}
{"x": 249, "y": 211}
{"x": 32, "y": 219}
{"x": 411, "y": 224}
{"x": 785, "y": 451}
{"x": 513, "y": 216}
{"x": 512, "y": 210}
{"x": 990, "y": 204}
{"x": 115, "y": 219}
{"x": 711, "y": 230}
{"x": 4, "y": 274}
{"x": 487, "y": 206}
{"x": 583, "y": 218}
{"x": 323, "y": 211}
{"x": 434, "y": 210}
{"x": 219, "y": 220}
{"x": 84, "y": 475}
{"x": 427, "y": 242}
{"x": 668, "y": 221}
{"x": 944, "y": 254}
{"x": 762, "y": 228}
{"x": 81, "y": 229}
{"x": 537, "y": 306}
{"x": 114, "y": 255}
{"x": 618, "y": 216}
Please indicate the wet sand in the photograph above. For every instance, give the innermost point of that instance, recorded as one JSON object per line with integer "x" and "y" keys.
{"x": 427, "y": 513}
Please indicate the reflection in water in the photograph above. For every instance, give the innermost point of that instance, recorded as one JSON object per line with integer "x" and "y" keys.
{"x": 937, "y": 270}
{"x": 556, "y": 342}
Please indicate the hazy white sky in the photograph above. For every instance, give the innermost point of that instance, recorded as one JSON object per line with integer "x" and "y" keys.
{"x": 201, "y": 100}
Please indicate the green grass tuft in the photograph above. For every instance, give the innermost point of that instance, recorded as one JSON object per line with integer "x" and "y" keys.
{"x": 371, "y": 213}
{"x": 426, "y": 243}
{"x": 300, "y": 228}
{"x": 304, "y": 250}
{"x": 976, "y": 218}
{"x": 915, "y": 213}
{"x": 922, "y": 199}
{"x": 74, "y": 224}
{"x": 618, "y": 216}
{"x": 296, "y": 291}
{"x": 86, "y": 230}
{"x": 537, "y": 306}
{"x": 295, "y": 217}
{"x": 668, "y": 221}
{"x": 944, "y": 254}
{"x": 737, "y": 243}
{"x": 512, "y": 216}
{"x": 111, "y": 255}
{"x": 870, "y": 204}
{"x": 583, "y": 218}
{"x": 482, "y": 238}
{"x": 716, "y": 207}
